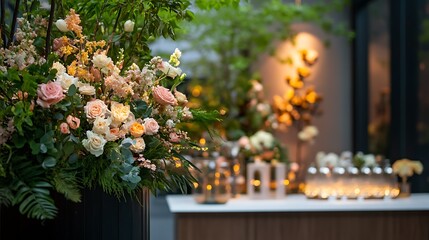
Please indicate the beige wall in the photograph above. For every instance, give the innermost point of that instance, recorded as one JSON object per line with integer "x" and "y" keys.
{"x": 331, "y": 77}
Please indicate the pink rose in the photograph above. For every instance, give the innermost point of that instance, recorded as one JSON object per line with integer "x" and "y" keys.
{"x": 163, "y": 96}
{"x": 73, "y": 122}
{"x": 174, "y": 137}
{"x": 151, "y": 126}
{"x": 64, "y": 128}
{"x": 95, "y": 108}
{"x": 49, "y": 93}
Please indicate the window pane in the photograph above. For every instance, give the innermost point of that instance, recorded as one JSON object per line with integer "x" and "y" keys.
{"x": 379, "y": 77}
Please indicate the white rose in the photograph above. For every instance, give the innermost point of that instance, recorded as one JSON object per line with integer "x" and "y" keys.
{"x": 128, "y": 26}
{"x": 66, "y": 81}
{"x": 101, "y": 125}
{"x": 94, "y": 144}
{"x": 61, "y": 25}
{"x": 304, "y": 136}
{"x": 312, "y": 130}
{"x": 59, "y": 67}
{"x": 86, "y": 89}
{"x": 169, "y": 70}
{"x": 138, "y": 146}
{"x": 262, "y": 139}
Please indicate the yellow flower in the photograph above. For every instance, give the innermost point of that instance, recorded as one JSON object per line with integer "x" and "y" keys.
{"x": 72, "y": 68}
{"x": 66, "y": 50}
{"x": 406, "y": 167}
{"x": 137, "y": 129}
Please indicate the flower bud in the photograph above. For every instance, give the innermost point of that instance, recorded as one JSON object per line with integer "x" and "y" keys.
{"x": 61, "y": 25}
{"x": 128, "y": 26}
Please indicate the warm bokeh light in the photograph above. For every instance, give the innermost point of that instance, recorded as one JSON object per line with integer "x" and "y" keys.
{"x": 196, "y": 91}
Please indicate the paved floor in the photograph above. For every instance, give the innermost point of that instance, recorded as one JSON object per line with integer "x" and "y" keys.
{"x": 162, "y": 220}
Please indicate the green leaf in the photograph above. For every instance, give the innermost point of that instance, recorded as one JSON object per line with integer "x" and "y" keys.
{"x": 19, "y": 141}
{"x": 35, "y": 147}
{"x": 49, "y": 162}
{"x": 72, "y": 90}
{"x": 43, "y": 148}
{"x": 73, "y": 158}
{"x": 58, "y": 116}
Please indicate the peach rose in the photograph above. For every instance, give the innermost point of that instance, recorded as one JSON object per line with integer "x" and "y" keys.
{"x": 163, "y": 96}
{"x": 95, "y": 108}
{"x": 113, "y": 134}
{"x": 64, "y": 128}
{"x": 137, "y": 129}
{"x": 174, "y": 137}
{"x": 49, "y": 93}
{"x": 151, "y": 126}
{"x": 73, "y": 122}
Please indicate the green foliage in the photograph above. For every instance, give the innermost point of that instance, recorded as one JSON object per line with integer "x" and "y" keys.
{"x": 67, "y": 183}
{"x": 31, "y": 190}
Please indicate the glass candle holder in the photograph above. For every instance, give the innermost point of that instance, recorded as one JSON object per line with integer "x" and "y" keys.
{"x": 213, "y": 182}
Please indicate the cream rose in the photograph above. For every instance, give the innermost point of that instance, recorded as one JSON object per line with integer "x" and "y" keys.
{"x": 119, "y": 112}
{"x": 95, "y": 108}
{"x": 181, "y": 98}
{"x": 66, "y": 81}
{"x": 49, "y": 93}
{"x": 138, "y": 146}
{"x": 94, "y": 143}
{"x": 59, "y": 67}
{"x": 151, "y": 126}
{"x": 86, "y": 89}
{"x": 101, "y": 125}
{"x": 102, "y": 62}
{"x": 163, "y": 96}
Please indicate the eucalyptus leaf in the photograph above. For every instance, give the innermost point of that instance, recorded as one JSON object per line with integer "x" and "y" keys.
{"x": 49, "y": 162}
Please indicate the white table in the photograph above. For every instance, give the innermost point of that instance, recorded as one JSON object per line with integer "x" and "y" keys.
{"x": 299, "y": 203}
{"x": 296, "y": 217}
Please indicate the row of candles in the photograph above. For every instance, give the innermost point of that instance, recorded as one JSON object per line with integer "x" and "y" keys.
{"x": 215, "y": 182}
{"x": 351, "y": 183}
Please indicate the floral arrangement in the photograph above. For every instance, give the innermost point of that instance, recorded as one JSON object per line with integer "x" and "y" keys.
{"x": 406, "y": 168}
{"x": 262, "y": 146}
{"x": 74, "y": 119}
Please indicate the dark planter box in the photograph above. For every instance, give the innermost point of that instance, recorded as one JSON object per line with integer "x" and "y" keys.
{"x": 98, "y": 217}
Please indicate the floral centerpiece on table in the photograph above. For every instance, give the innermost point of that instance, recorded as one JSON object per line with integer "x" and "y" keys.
{"x": 406, "y": 168}
{"x": 74, "y": 119}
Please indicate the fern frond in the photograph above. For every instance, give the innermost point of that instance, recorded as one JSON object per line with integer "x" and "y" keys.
{"x": 6, "y": 196}
{"x": 68, "y": 184}
{"x": 32, "y": 191}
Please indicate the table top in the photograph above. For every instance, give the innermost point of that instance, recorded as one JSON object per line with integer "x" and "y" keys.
{"x": 299, "y": 203}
